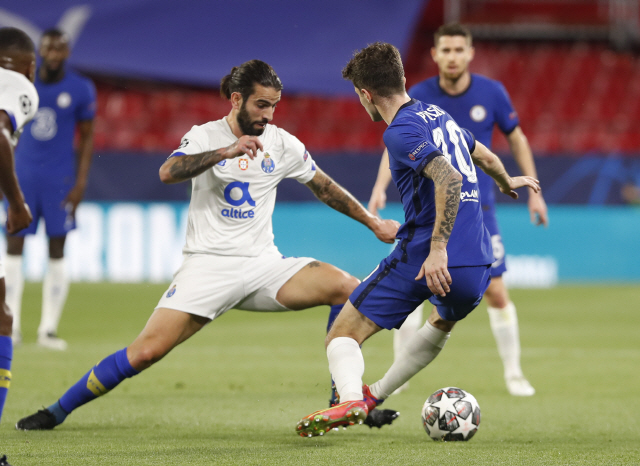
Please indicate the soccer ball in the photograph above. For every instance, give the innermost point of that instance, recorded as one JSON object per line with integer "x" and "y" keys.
{"x": 451, "y": 414}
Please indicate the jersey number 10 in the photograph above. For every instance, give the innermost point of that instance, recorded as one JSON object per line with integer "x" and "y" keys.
{"x": 455, "y": 136}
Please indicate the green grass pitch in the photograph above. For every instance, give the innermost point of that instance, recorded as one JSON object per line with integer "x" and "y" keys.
{"x": 233, "y": 393}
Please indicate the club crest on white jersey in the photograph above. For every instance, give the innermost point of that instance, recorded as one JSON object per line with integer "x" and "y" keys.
{"x": 268, "y": 165}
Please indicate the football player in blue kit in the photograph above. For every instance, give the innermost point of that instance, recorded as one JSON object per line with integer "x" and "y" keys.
{"x": 18, "y": 105}
{"x": 443, "y": 253}
{"x": 477, "y": 103}
{"x": 53, "y": 178}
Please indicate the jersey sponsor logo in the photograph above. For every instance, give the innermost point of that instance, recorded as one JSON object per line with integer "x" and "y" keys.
{"x": 417, "y": 150}
{"x": 63, "y": 100}
{"x": 466, "y": 196}
{"x": 183, "y": 143}
{"x": 238, "y": 213}
{"x": 45, "y": 125}
{"x": 243, "y": 164}
{"x": 268, "y": 165}
{"x": 478, "y": 113}
{"x": 222, "y": 163}
{"x": 237, "y": 193}
{"x": 432, "y": 112}
{"x": 25, "y": 103}
{"x": 171, "y": 291}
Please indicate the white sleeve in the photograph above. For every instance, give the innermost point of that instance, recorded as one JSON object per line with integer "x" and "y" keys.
{"x": 300, "y": 165}
{"x": 195, "y": 141}
{"x": 19, "y": 99}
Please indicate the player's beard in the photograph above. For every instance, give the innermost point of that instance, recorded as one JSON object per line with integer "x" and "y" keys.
{"x": 246, "y": 125}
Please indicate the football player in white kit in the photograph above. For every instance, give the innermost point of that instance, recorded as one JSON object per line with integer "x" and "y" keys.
{"x": 18, "y": 105}
{"x": 230, "y": 259}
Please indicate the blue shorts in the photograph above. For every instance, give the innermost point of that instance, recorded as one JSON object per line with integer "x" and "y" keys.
{"x": 499, "y": 267}
{"x": 391, "y": 293}
{"x": 45, "y": 194}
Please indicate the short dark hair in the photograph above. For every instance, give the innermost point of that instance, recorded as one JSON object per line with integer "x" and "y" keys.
{"x": 452, "y": 29}
{"x": 16, "y": 40}
{"x": 377, "y": 68}
{"x": 53, "y": 32}
{"x": 243, "y": 78}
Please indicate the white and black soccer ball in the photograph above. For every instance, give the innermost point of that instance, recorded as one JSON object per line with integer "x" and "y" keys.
{"x": 451, "y": 414}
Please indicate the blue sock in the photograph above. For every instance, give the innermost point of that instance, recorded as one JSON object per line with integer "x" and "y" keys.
{"x": 335, "y": 310}
{"x": 6, "y": 354}
{"x": 104, "y": 376}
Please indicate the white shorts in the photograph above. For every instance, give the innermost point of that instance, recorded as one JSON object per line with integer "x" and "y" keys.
{"x": 209, "y": 285}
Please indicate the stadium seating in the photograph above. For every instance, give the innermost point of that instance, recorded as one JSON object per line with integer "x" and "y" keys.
{"x": 571, "y": 98}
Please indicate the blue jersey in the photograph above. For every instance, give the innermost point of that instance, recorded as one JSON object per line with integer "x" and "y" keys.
{"x": 419, "y": 133}
{"x": 484, "y": 104}
{"x": 47, "y": 142}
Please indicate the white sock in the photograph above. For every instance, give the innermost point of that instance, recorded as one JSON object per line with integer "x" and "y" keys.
{"x": 346, "y": 365}
{"x": 54, "y": 295}
{"x": 406, "y": 332}
{"x": 504, "y": 324}
{"x": 416, "y": 354}
{"x": 14, "y": 283}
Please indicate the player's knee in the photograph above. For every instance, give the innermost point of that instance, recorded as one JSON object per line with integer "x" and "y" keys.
{"x": 145, "y": 356}
{"x": 497, "y": 296}
{"x": 347, "y": 284}
{"x": 439, "y": 323}
{"x": 6, "y": 321}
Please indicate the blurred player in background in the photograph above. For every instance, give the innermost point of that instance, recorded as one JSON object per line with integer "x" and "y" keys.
{"x": 18, "y": 105}
{"x": 230, "y": 260}
{"x": 478, "y": 104}
{"x": 53, "y": 177}
{"x": 444, "y": 250}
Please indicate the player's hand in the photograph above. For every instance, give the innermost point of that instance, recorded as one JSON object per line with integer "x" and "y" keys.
{"x": 436, "y": 272}
{"x": 519, "y": 182}
{"x": 538, "y": 210}
{"x": 73, "y": 199}
{"x": 246, "y": 145}
{"x": 385, "y": 230}
{"x": 378, "y": 200}
{"x": 18, "y": 217}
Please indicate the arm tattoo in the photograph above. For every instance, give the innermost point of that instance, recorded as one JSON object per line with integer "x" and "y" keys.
{"x": 336, "y": 197}
{"x": 188, "y": 166}
{"x": 451, "y": 206}
{"x": 447, "y": 182}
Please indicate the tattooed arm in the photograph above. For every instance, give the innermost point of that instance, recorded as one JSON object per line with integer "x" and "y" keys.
{"x": 184, "y": 167}
{"x": 447, "y": 182}
{"x": 338, "y": 198}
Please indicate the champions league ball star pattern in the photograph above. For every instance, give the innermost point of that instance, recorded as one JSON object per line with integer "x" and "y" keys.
{"x": 451, "y": 414}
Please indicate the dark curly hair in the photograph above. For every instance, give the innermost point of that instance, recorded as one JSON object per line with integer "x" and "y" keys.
{"x": 243, "y": 78}
{"x": 377, "y": 68}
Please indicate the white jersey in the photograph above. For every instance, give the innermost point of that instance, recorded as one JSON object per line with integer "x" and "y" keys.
{"x": 19, "y": 99}
{"x": 232, "y": 202}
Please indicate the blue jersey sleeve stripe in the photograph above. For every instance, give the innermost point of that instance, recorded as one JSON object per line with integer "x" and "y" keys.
{"x": 12, "y": 118}
{"x": 177, "y": 154}
{"x": 427, "y": 159}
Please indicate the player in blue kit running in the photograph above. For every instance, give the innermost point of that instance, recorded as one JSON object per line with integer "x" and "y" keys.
{"x": 432, "y": 163}
{"x": 18, "y": 105}
{"x": 478, "y": 104}
{"x": 53, "y": 178}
